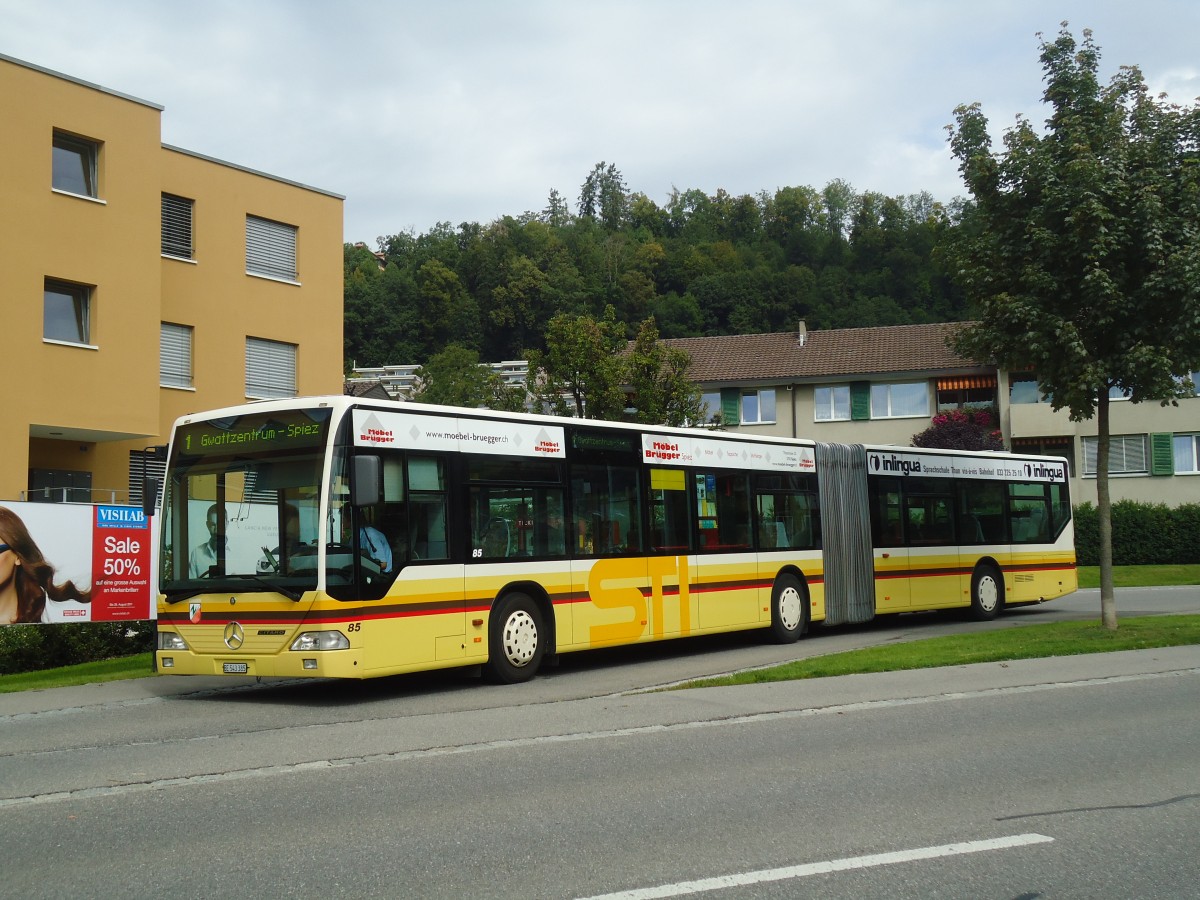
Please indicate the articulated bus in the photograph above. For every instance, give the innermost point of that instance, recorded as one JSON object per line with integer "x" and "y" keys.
{"x": 349, "y": 538}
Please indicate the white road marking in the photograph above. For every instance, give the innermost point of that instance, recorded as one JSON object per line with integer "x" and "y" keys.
{"x": 823, "y": 868}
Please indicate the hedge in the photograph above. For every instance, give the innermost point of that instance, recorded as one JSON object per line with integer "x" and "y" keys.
{"x": 1143, "y": 534}
{"x": 30, "y": 648}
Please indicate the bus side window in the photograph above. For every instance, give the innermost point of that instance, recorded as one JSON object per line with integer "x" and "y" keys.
{"x": 886, "y": 522}
{"x": 427, "y": 508}
{"x": 787, "y": 512}
{"x": 723, "y": 510}
{"x": 981, "y": 512}
{"x": 1028, "y": 512}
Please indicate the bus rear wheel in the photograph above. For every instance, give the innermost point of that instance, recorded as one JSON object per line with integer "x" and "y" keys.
{"x": 789, "y": 609}
{"x": 987, "y": 593}
{"x": 516, "y": 640}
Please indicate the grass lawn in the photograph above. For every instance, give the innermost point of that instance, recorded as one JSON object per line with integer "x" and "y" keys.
{"x": 138, "y": 666}
{"x": 1026, "y": 642}
{"x": 1141, "y": 576}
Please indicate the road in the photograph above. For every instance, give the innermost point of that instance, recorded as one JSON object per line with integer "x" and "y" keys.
{"x": 1071, "y": 777}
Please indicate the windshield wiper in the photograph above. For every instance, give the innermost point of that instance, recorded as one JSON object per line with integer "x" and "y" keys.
{"x": 185, "y": 593}
{"x": 268, "y": 584}
{"x": 176, "y": 596}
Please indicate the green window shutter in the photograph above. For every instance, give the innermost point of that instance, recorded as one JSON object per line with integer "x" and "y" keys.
{"x": 731, "y": 411}
{"x": 1162, "y": 455}
{"x": 860, "y": 401}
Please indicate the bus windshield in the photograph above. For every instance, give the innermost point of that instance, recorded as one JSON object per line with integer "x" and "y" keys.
{"x": 241, "y": 506}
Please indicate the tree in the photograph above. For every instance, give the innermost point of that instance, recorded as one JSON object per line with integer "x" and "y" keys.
{"x": 1081, "y": 250}
{"x": 663, "y": 394}
{"x": 603, "y": 196}
{"x": 448, "y": 311}
{"x": 579, "y": 372}
{"x": 455, "y": 377}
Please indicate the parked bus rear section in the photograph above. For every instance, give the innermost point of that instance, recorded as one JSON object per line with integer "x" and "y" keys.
{"x": 337, "y": 537}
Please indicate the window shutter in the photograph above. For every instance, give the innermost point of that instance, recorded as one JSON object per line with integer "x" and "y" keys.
{"x": 270, "y": 369}
{"x": 141, "y": 464}
{"x": 175, "y": 356}
{"x": 270, "y": 249}
{"x": 860, "y": 401}
{"x": 176, "y": 226}
{"x": 731, "y": 410}
{"x": 1162, "y": 454}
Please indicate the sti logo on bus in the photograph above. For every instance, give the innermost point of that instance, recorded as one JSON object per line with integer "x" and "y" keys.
{"x": 1037, "y": 470}
{"x": 894, "y": 464}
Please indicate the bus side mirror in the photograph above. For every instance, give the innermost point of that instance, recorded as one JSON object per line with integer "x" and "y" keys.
{"x": 150, "y": 486}
{"x": 368, "y": 481}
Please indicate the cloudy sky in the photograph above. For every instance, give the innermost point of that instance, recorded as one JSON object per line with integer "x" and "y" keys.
{"x": 467, "y": 110}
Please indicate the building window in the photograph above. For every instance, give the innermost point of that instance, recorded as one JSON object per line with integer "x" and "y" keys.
{"x": 175, "y": 356}
{"x": 67, "y": 312}
{"x": 1024, "y": 389}
{"x": 176, "y": 226}
{"x": 1126, "y": 455}
{"x": 270, "y": 249}
{"x": 710, "y": 410}
{"x": 74, "y": 165}
{"x": 758, "y": 407}
{"x": 270, "y": 369}
{"x": 966, "y": 392}
{"x": 1186, "y": 450}
{"x": 891, "y": 401}
{"x": 832, "y": 403}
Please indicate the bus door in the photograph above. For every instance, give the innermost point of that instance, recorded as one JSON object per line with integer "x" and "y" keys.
{"x": 726, "y": 580}
{"x": 673, "y": 567}
{"x": 609, "y": 561}
{"x": 929, "y": 529}
{"x": 982, "y": 528}
{"x": 888, "y": 536}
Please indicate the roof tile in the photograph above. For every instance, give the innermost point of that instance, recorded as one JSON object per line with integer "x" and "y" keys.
{"x": 824, "y": 354}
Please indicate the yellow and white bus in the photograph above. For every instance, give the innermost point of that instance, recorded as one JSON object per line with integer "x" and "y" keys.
{"x": 349, "y": 538}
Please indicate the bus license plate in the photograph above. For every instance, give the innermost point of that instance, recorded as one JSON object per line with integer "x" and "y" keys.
{"x": 236, "y": 668}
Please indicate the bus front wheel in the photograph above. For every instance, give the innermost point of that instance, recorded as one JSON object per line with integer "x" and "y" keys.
{"x": 987, "y": 593}
{"x": 516, "y": 640}
{"x": 789, "y": 609}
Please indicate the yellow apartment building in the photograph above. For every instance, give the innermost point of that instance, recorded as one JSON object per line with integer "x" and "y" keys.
{"x": 141, "y": 281}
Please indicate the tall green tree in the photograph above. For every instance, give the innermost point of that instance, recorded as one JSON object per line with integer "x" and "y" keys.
{"x": 580, "y": 372}
{"x": 1082, "y": 251}
{"x": 604, "y": 196}
{"x": 663, "y": 392}
{"x": 455, "y": 377}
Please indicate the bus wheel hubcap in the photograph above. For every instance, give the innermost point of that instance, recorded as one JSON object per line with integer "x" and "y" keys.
{"x": 988, "y": 593}
{"x": 520, "y": 638}
{"x": 790, "y": 608}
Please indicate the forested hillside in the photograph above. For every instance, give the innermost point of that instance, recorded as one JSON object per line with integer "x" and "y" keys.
{"x": 700, "y": 265}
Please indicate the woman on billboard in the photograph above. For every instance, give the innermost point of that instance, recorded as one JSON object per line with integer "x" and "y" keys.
{"x": 26, "y": 579}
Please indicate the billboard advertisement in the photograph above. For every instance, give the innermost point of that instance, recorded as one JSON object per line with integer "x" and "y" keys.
{"x": 74, "y": 563}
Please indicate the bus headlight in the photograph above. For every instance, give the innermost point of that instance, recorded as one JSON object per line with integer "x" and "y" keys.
{"x": 169, "y": 640}
{"x": 321, "y": 640}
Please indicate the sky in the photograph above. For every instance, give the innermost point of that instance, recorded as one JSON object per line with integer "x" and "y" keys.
{"x": 468, "y": 110}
